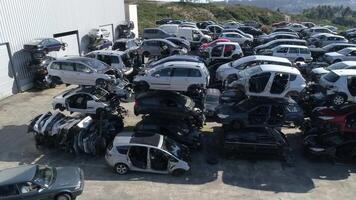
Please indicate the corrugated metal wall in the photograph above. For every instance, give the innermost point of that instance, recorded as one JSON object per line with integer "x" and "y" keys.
{"x": 24, "y": 20}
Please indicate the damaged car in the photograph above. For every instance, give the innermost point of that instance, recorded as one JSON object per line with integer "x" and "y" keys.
{"x": 154, "y": 153}
{"x": 223, "y": 52}
{"x": 316, "y": 73}
{"x": 259, "y": 112}
{"x": 44, "y": 45}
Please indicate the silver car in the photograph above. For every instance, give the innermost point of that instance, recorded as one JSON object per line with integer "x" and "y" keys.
{"x": 155, "y": 47}
{"x": 147, "y": 153}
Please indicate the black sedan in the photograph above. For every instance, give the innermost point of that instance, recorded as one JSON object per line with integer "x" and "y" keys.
{"x": 44, "y": 45}
{"x": 41, "y": 182}
{"x": 180, "y": 42}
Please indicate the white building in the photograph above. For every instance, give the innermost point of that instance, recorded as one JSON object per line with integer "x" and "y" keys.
{"x": 67, "y": 20}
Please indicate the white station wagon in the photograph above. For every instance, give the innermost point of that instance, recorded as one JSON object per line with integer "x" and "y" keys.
{"x": 270, "y": 81}
{"x": 175, "y": 76}
{"x": 294, "y": 53}
{"x": 147, "y": 153}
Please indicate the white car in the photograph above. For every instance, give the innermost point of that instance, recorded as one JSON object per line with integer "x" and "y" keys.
{"x": 193, "y": 35}
{"x": 222, "y": 52}
{"x": 81, "y": 71}
{"x": 346, "y": 54}
{"x": 232, "y": 25}
{"x": 147, "y": 153}
{"x": 340, "y": 65}
{"x": 118, "y": 59}
{"x": 175, "y": 76}
{"x": 84, "y": 100}
{"x": 237, "y": 37}
{"x": 270, "y": 81}
{"x": 324, "y": 39}
{"x": 339, "y": 86}
{"x": 296, "y": 27}
{"x": 294, "y": 53}
{"x": 234, "y": 67}
{"x": 317, "y": 30}
{"x": 265, "y": 48}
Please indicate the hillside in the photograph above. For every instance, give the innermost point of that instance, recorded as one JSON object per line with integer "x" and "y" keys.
{"x": 148, "y": 13}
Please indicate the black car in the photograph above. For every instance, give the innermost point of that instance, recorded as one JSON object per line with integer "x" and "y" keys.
{"x": 41, "y": 182}
{"x": 44, "y": 45}
{"x": 259, "y": 112}
{"x": 256, "y": 142}
{"x": 251, "y": 30}
{"x": 177, "y": 129}
{"x": 124, "y": 44}
{"x": 168, "y": 104}
{"x": 180, "y": 42}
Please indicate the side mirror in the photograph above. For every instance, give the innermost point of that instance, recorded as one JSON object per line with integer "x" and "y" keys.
{"x": 157, "y": 75}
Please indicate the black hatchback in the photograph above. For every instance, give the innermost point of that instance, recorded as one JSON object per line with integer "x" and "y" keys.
{"x": 37, "y": 182}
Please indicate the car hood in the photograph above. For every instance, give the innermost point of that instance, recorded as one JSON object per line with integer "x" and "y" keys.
{"x": 333, "y": 54}
{"x": 67, "y": 177}
{"x": 320, "y": 70}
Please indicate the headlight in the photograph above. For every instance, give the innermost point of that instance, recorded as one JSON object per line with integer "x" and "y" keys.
{"x": 326, "y": 117}
{"x": 222, "y": 116}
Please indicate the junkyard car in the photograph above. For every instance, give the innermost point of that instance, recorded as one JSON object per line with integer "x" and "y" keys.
{"x": 213, "y": 43}
{"x": 223, "y": 52}
{"x": 175, "y": 75}
{"x": 276, "y": 36}
{"x": 44, "y": 45}
{"x": 85, "y": 100}
{"x": 187, "y": 58}
{"x": 294, "y": 53}
{"x": 265, "y": 48}
{"x": 155, "y": 33}
{"x": 126, "y": 44}
{"x": 236, "y": 37}
{"x": 154, "y": 153}
{"x": 346, "y": 54}
{"x": 180, "y": 42}
{"x": 81, "y": 71}
{"x": 232, "y": 68}
{"x": 339, "y": 86}
{"x": 318, "y": 72}
{"x": 41, "y": 182}
{"x": 117, "y": 59}
{"x": 259, "y": 112}
{"x": 256, "y": 142}
{"x": 157, "y": 47}
{"x": 212, "y": 99}
{"x": 270, "y": 81}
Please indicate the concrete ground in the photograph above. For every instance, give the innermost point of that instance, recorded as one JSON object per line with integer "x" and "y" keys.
{"x": 229, "y": 179}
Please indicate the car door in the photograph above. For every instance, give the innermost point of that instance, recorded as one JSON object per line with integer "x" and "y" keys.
{"x": 281, "y": 52}
{"x": 293, "y": 53}
{"x": 158, "y": 160}
{"x": 179, "y": 79}
{"x": 280, "y": 83}
{"x": 138, "y": 158}
{"x": 216, "y": 52}
{"x": 161, "y": 79}
{"x": 68, "y": 74}
{"x": 9, "y": 192}
{"x": 229, "y": 50}
{"x": 84, "y": 74}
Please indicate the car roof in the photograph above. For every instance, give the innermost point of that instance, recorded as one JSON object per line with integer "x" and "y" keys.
{"x": 351, "y": 48}
{"x": 233, "y": 43}
{"x": 127, "y": 138}
{"x": 278, "y": 68}
{"x": 24, "y": 173}
{"x": 187, "y": 58}
{"x": 345, "y": 72}
{"x": 284, "y": 40}
{"x": 108, "y": 52}
{"x": 260, "y": 57}
{"x": 295, "y": 46}
{"x": 74, "y": 58}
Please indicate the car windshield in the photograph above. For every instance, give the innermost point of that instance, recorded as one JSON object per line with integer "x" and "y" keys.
{"x": 172, "y": 147}
{"x": 344, "y": 51}
{"x": 96, "y": 64}
{"x": 44, "y": 175}
{"x": 331, "y": 77}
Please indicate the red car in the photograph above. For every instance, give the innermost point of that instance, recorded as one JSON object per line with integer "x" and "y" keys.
{"x": 207, "y": 45}
{"x": 343, "y": 118}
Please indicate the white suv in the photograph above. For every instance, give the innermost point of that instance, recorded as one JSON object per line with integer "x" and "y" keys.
{"x": 294, "y": 53}
{"x": 339, "y": 86}
{"x": 175, "y": 75}
{"x": 270, "y": 81}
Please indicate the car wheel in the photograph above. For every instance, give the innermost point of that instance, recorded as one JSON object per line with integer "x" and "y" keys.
{"x": 338, "y": 100}
{"x": 101, "y": 83}
{"x": 64, "y": 196}
{"x": 178, "y": 172}
{"x": 121, "y": 168}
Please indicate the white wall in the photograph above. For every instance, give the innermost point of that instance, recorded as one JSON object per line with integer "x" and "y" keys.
{"x": 133, "y": 17}
{"x": 24, "y": 20}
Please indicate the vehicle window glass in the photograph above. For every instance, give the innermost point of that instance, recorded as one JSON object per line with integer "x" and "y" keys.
{"x": 81, "y": 68}
{"x": 180, "y": 72}
{"x": 293, "y": 50}
{"x": 104, "y": 58}
{"x": 163, "y": 72}
{"x": 8, "y": 190}
{"x": 292, "y": 77}
{"x": 280, "y": 82}
{"x": 194, "y": 73}
{"x": 258, "y": 82}
{"x": 353, "y": 53}
{"x": 258, "y": 115}
{"x": 138, "y": 156}
{"x": 121, "y": 46}
{"x": 331, "y": 77}
{"x": 122, "y": 149}
{"x": 229, "y": 50}
{"x": 217, "y": 51}
{"x": 67, "y": 66}
{"x": 115, "y": 60}
{"x": 282, "y": 50}
{"x": 55, "y": 66}
{"x": 304, "y": 51}
{"x": 52, "y": 41}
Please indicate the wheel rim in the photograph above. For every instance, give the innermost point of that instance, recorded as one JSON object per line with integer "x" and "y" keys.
{"x": 338, "y": 100}
{"x": 121, "y": 169}
{"x": 62, "y": 197}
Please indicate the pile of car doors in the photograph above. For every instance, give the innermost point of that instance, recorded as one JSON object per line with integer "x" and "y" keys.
{"x": 77, "y": 134}
{"x": 171, "y": 114}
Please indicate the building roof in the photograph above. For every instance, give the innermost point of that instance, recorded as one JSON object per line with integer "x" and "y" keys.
{"x": 24, "y": 173}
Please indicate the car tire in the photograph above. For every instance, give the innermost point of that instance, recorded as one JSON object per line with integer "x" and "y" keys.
{"x": 178, "y": 172}
{"x": 338, "y": 99}
{"x": 101, "y": 83}
{"x": 64, "y": 196}
{"x": 121, "y": 168}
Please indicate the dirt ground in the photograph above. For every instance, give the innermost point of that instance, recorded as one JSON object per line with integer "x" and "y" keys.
{"x": 229, "y": 179}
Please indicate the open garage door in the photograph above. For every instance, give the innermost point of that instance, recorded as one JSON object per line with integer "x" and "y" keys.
{"x": 72, "y": 40}
{"x": 7, "y": 81}
{"x": 110, "y": 29}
